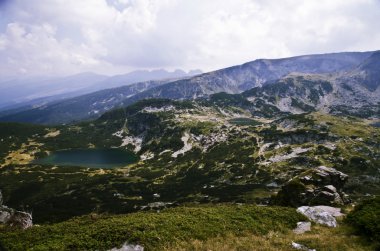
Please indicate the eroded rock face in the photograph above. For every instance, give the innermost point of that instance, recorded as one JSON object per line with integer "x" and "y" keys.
{"x": 318, "y": 186}
{"x": 320, "y": 215}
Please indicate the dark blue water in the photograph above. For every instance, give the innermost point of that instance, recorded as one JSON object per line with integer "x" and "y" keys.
{"x": 95, "y": 158}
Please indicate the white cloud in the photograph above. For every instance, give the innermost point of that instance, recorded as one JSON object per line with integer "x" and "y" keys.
{"x": 109, "y": 36}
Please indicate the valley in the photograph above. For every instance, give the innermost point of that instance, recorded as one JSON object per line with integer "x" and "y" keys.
{"x": 304, "y": 139}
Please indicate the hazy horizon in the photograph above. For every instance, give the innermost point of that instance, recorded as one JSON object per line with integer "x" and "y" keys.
{"x": 109, "y": 37}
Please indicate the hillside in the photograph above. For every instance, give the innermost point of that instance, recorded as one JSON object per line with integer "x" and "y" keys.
{"x": 189, "y": 151}
{"x": 231, "y": 80}
{"x": 198, "y": 168}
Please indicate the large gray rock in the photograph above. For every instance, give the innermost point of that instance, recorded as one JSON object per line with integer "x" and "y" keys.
{"x": 13, "y": 217}
{"x": 317, "y": 186}
{"x": 320, "y": 215}
{"x": 21, "y": 219}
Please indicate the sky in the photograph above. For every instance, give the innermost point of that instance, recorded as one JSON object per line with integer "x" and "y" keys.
{"x": 63, "y": 37}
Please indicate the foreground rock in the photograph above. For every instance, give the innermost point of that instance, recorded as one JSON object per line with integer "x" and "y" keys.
{"x": 13, "y": 217}
{"x": 129, "y": 247}
{"x": 323, "y": 215}
{"x": 302, "y": 227}
{"x": 301, "y": 247}
{"x": 317, "y": 186}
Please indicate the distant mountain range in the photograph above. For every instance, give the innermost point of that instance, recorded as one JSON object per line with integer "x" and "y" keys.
{"x": 338, "y": 83}
{"x": 19, "y": 92}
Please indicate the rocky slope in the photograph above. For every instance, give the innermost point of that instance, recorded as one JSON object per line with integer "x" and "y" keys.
{"x": 231, "y": 80}
{"x": 355, "y": 92}
{"x": 190, "y": 151}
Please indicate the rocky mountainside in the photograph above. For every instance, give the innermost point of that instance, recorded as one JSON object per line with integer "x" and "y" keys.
{"x": 231, "y": 80}
{"x": 190, "y": 151}
{"x": 355, "y": 92}
{"x": 205, "y": 151}
{"x": 257, "y": 73}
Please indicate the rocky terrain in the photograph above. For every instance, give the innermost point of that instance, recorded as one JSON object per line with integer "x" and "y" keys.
{"x": 301, "y": 141}
{"x": 231, "y": 80}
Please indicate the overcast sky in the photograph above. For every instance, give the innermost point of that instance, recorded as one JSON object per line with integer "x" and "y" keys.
{"x": 61, "y": 37}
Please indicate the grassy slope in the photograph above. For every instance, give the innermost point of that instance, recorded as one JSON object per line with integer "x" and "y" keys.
{"x": 207, "y": 227}
{"x": 320, "y": 238}
{"x": 151, "y": 229}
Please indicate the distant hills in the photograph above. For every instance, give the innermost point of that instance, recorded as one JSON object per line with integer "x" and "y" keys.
{"x": 18, "y": 92}
{"x": 337, "y": 83}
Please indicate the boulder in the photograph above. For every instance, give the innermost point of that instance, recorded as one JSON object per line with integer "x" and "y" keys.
{"x": 13, "y": 217}
{"x": 21, "y": 219}
{"x": 317, "y": 186}
{"x": 321, "y": 214}
{"x": 302, "y": 227}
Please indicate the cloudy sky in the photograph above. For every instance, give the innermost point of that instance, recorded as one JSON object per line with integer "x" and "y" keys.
{"x": 61, "y": 37}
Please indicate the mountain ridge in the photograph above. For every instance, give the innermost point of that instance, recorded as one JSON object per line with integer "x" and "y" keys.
{"x": 233, "y": 80}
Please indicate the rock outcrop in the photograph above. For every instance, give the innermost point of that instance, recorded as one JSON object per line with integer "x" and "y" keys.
{"x": 318, "y": 186}
{"x": 13, "y": 217}
{"x": 321, "y": 214}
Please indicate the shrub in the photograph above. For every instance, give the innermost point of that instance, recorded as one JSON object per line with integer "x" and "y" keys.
{"x": 365, "y": 218}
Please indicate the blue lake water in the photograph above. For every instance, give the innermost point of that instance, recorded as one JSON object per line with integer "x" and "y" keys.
{"x": 94, "y": 158}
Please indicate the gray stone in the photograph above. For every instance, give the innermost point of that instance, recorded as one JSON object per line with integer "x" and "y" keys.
{"x": 301, "y": 247}
{"x": 330, "y": 188}
{"x": 334, "y": 211}
{"x": 5, "y": 215}
{"x": 129, "y": 247}
{"x": 318, "y": 215}
{"x": 302, "y": 227}
{"x": 21, "y": 219}
{"x": 15, "y": 218}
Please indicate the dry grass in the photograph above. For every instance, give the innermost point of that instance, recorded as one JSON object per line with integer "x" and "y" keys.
{"x": 321, "y": 239}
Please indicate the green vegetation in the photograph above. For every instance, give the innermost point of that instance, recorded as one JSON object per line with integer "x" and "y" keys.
{"x": 366, "y": 219}
{"x": 320, "y": 238}
{"x": 153, "y": 230}
{"x": 226, "y": 159}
